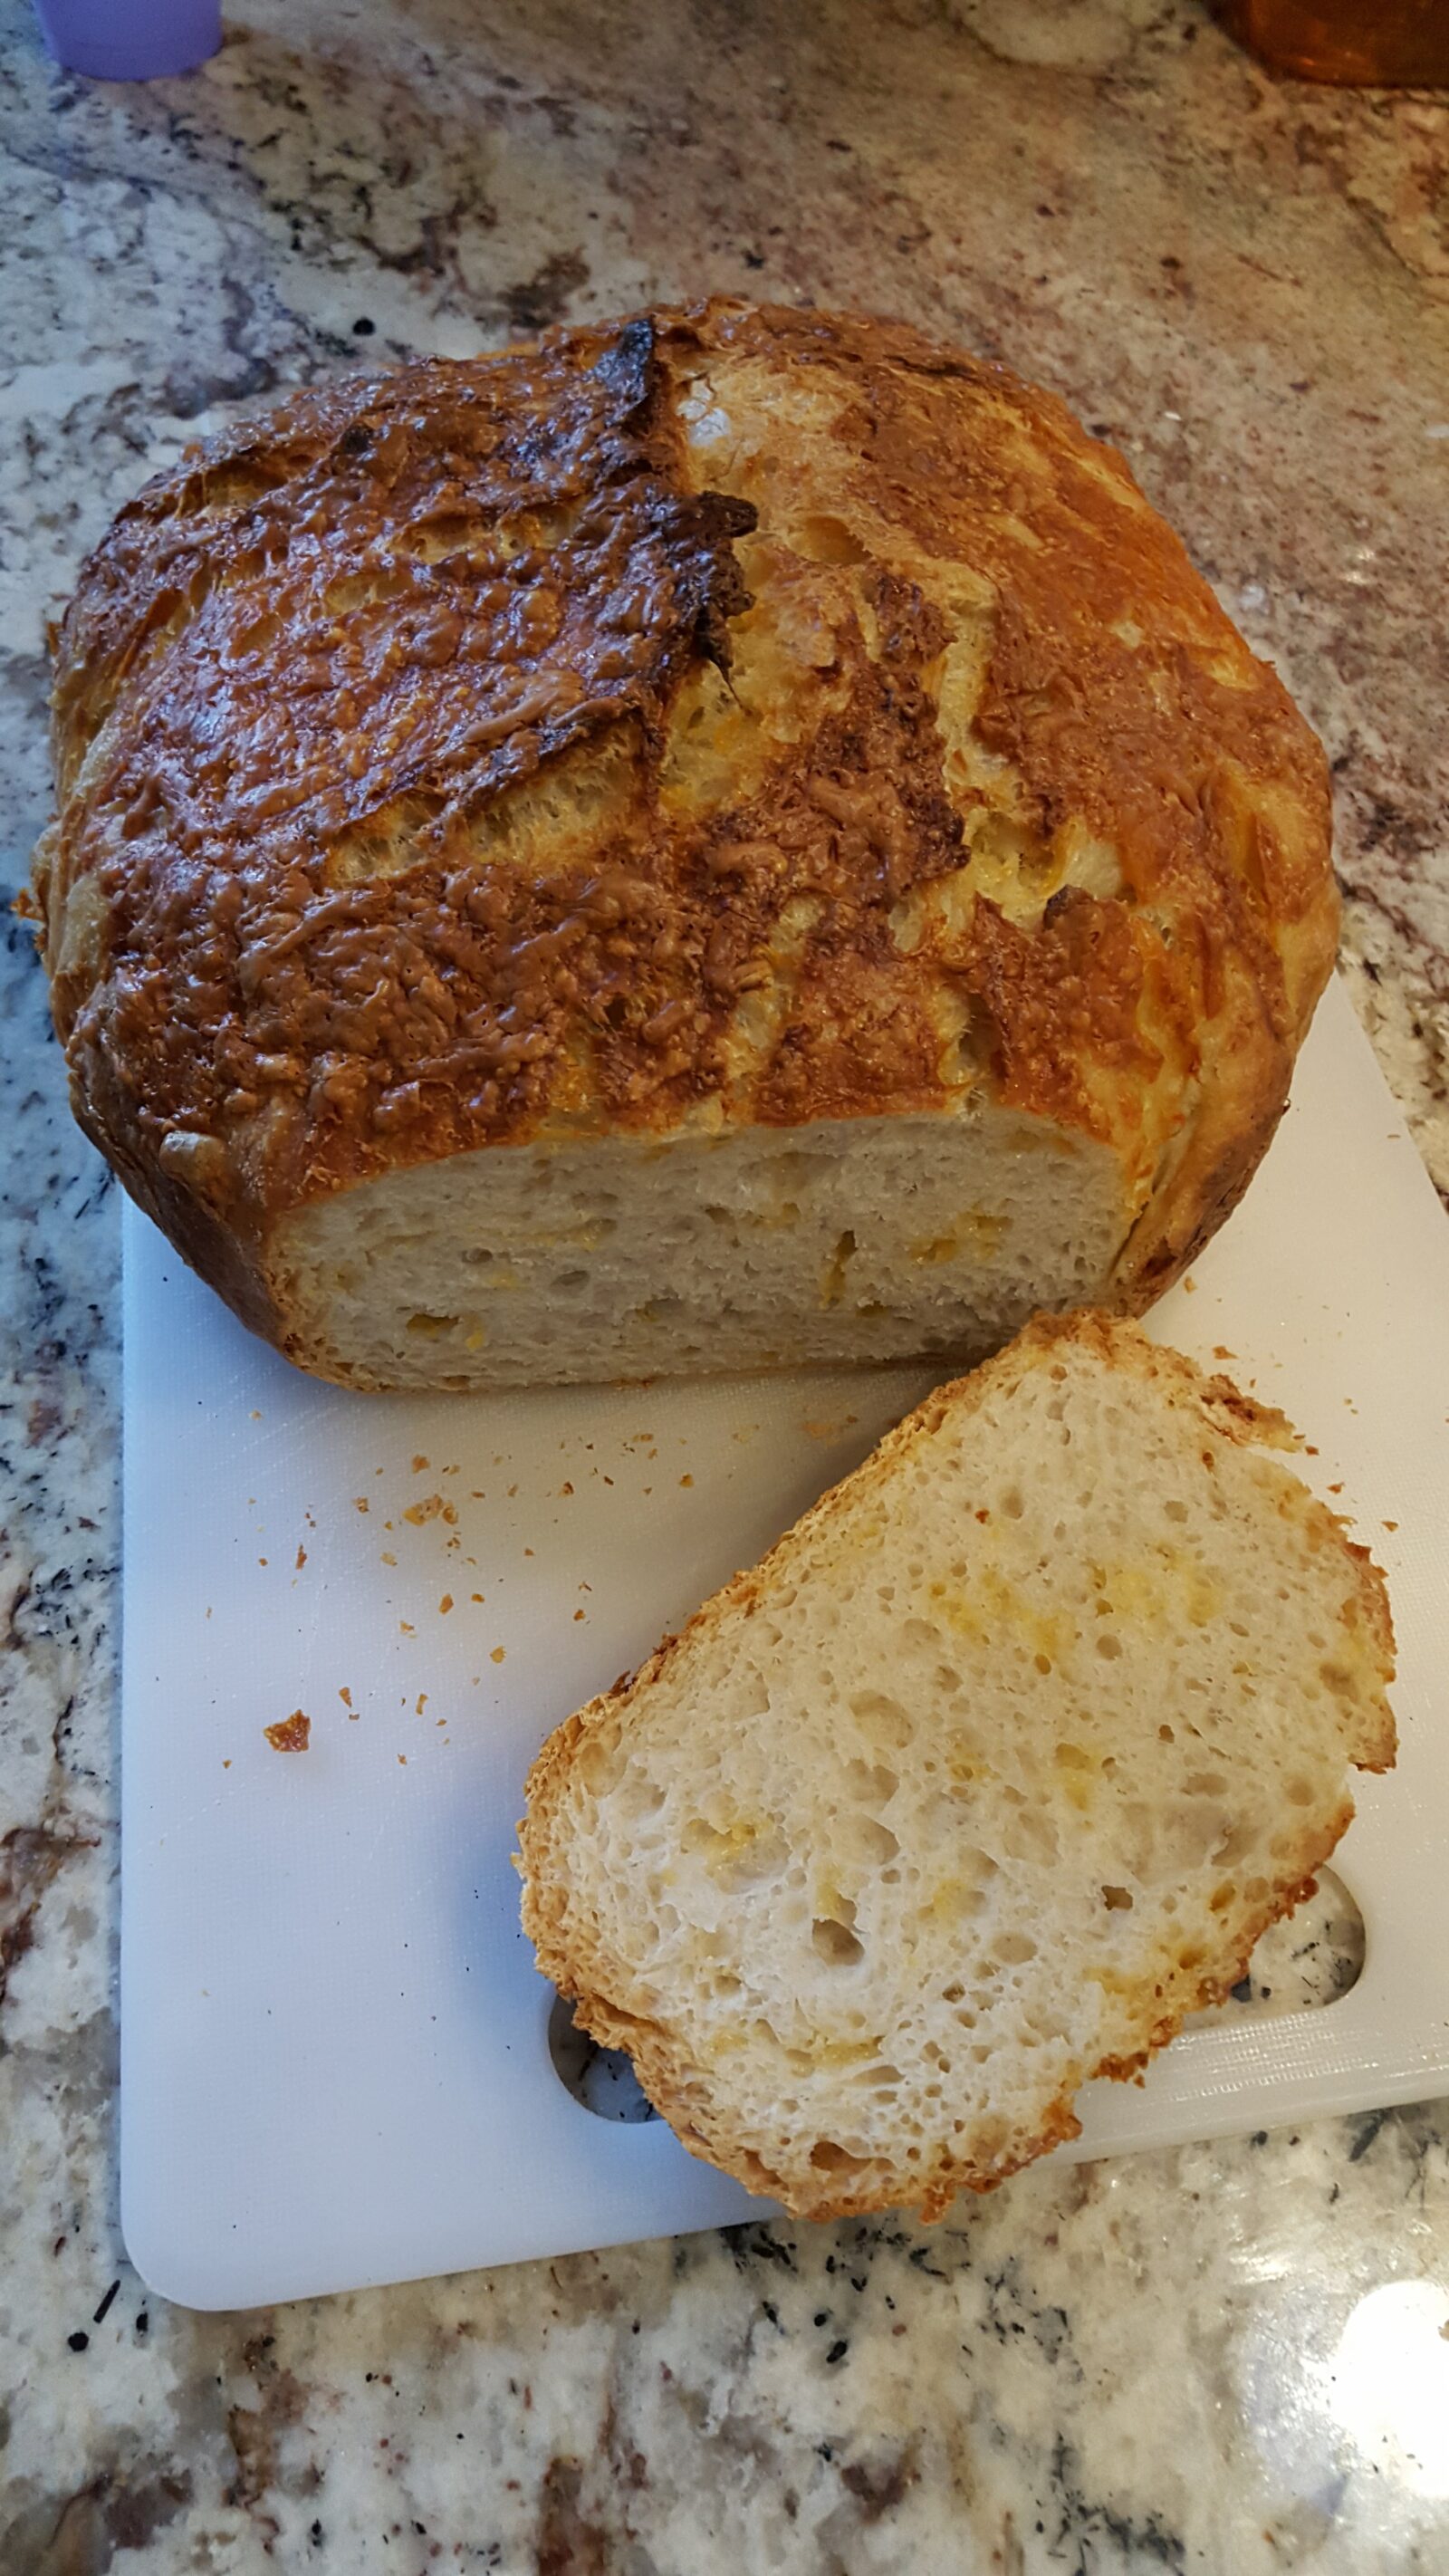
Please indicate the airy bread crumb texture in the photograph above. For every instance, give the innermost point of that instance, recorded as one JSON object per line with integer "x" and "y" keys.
{"x": 991, "y": 1772}
{"x": 852, "y": 1239}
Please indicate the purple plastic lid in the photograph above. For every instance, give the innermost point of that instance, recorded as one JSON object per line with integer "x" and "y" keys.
{"x": 130, "y": 39}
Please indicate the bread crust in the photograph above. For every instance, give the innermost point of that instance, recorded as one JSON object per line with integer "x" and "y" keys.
{"x": 570, "y": 1953}
{"x": 380, "y": 724}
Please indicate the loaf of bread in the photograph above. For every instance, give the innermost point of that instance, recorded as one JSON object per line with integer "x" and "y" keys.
{"x": 991, "y": 1772}
{"x": 730, "y": 838}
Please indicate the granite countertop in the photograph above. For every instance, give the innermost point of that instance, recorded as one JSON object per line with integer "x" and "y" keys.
{"x": 1231, "y": 2358}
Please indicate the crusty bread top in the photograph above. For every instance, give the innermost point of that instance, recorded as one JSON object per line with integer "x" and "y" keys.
{"x": 994, "y": 1769}
{"x": 726, "y": 714}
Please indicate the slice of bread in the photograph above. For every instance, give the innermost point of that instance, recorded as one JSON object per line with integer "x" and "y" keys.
{"x": 991, "y": 1772}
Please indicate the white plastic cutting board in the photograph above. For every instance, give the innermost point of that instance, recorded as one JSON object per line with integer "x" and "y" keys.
{"x": 334, "y": 2063}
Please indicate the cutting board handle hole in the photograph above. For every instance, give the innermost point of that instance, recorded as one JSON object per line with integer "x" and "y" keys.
{"x": 1313, "y": 1957}
{"x": 602, "y": 2079}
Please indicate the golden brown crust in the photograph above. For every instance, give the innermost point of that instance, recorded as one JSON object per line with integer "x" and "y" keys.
{"x": 304, "y": 926}
{"x": 569, "y": 1954}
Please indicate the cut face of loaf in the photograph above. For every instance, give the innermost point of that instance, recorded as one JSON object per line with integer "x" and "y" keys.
{"x": 991, "y": 1772}
{"x": 853, "y": 1239}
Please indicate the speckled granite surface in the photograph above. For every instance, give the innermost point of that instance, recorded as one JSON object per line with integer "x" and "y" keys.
{"x": 1230, "y": 2359}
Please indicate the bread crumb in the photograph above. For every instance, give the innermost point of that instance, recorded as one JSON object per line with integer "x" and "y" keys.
{"x": 579, "y": 1614}
{"x": 1391, "y": 1525}
{"x": 359, "y": 1502}
{"x": 407, "y": 1627}
{"x": 528, "y": 1551}
{"x": 498, "y": 1654}
{"x": 290, "y": 1734}
{"x": 403, "y": 1759}
{"x": 387, "y": 1557}
{"x": 419, "y": 1464}
{"x": 226, "y": 1766}
{"x": 686, "y": 1480}
{"x": 1221, "y": 1352}
{"x": 345, "y": 1696}
{"x": 301, "y": 1558}
{"x": 1335, "y": 1489}
{"x": 256, "y": 1417}
{"x": 445, "y": 1605}
{"x": 422, "y": 1703}
{"x": 565, "y": 1488}
{"x": 1189, "y": 1287}
{"x": 432, "y": 1508}
{"x": 261, "y": 1560}
{"x": 475, "y": 1596}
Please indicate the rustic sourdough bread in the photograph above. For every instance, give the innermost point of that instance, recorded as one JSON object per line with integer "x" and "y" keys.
{"x": 991, "y": 1772}
{"x": 726, "y": 838}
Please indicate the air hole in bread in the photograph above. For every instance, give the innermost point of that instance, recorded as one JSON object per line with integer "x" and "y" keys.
{"x": 835, "y": 1943}
{"x": 875, "y": 1842}
{"x": 872, "y": 1781}
{"x": 828, "y": 2156}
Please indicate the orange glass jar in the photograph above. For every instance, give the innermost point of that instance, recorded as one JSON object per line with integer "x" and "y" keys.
{"x": 1389, "y": 44}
